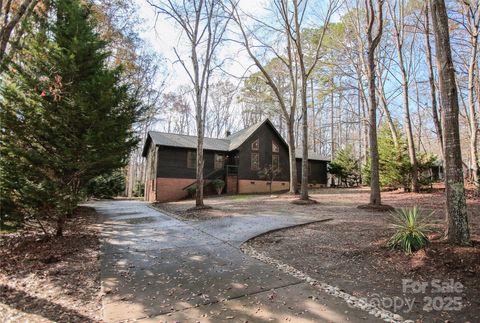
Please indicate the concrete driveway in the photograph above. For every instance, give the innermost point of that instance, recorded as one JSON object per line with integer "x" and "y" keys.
{"x": 157, "y": 268}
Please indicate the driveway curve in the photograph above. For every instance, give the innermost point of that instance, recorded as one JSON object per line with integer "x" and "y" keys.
{"x": 157, "y": 268}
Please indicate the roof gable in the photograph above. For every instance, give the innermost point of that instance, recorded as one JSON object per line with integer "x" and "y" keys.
{"x": 237, "y": 139}
{"x": 232, "y": 142}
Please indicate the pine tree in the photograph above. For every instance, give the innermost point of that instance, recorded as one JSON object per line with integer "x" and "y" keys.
{"x": 67, "y": 117}
{"x": 345, "y": 166}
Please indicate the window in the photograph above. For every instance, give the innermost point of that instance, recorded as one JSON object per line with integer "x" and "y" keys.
{"x": 275, "y": 162}
{"x": 275, "y": 148}
{"x": 255, "y": 145}
{"x": 254, "y": 163}
{"x": 218, "y": 161}
{"x": 192, "y": 159}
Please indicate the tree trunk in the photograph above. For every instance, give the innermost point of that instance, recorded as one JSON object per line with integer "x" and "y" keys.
{"x": 375, "y": 198}
{"x": 456, "y": 209}
{"x": 410, "y": 141}
{"x": 199, "y": 170}
{"x": 431, "y": 79}
{"x": 399, "y": 41}
{"x": 60, "y": 225}
{"x": 472, "y": 110}
{"x": 312, "y": 97}
{"x": 304, "y": 188}
{"x": 291, "y": 155}
{"x": 372, "y": 43}
{"x": 332, "y": 128}
{"x": 388, "y": 115}
{"x": 7, "y": 28}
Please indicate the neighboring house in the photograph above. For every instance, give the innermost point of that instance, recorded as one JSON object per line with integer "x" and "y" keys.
{"x": 236, "y": 159}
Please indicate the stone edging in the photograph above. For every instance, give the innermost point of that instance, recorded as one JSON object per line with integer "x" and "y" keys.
{"x": 353, "y": 301}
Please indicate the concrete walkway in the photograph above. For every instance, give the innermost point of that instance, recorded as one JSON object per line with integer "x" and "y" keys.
{"x": 156, "y": 268}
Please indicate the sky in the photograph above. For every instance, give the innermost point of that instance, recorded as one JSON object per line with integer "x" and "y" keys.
{"x": 163, "y": 35}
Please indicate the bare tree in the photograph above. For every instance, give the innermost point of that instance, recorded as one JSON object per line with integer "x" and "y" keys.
{"x": 293, "y": 20}
{"x": 203, "y": 24}
{"x": 373, "y": 39}
{"x": 299, "y": 63}
{"x": 220, "y": 119}
{"x": 472, "y": 13}
{"x": 431, "y": 79}
{"x": 456, "y": 208}
{"x": 287, "y": 103}
{"x": 397, "y": 15}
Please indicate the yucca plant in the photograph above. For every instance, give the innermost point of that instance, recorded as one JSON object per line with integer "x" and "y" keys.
{"x": 412, "y": 228}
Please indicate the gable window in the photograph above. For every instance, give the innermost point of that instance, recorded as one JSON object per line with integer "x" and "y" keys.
{"x": 254, "y": 162}
{"x": 275, "y": 161}
{"x": 218, "y": 161}
{"x": 192, "y": 159}
{"x": 275, "y": 148}
{"x": 255, "y": 145}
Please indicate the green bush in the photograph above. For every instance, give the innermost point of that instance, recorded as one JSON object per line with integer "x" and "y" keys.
{"x": 218, "y": 185}
{"x": 345, "y": 166}
{"x": 394, "y": 164}
{"x": 412, "y": 228}
{"x": 106, "y": 186}
{"x": 192, "y": 190}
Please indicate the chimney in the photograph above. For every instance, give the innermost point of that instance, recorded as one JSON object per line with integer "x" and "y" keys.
{"x": 228, "y": 133}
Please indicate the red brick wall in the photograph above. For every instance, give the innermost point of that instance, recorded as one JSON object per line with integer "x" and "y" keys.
{"x": 171, "y": 189}
{"x": 256, "y": 186}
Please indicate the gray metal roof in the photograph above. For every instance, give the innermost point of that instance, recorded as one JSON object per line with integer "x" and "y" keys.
{"x": 238, "y": 138}
{"x": 184, "y": 141}
{"x": 230, "y": 143}
{"x": 311, "y": 155}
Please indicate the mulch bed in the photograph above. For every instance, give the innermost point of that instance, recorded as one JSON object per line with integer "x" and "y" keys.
{"x": 55, "y": 278}
{"x": 350, "y": 252}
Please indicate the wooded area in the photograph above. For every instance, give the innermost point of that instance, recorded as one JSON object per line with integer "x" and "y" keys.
{"x": 331, "y": 75}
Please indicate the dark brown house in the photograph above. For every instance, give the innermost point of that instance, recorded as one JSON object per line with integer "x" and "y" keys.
{"x": 236, "y": 159}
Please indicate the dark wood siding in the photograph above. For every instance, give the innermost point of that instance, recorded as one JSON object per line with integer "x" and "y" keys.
{"x": 318, "y": 173}
{"x": 172, "y": 162}
{"x": 266, "y": 135}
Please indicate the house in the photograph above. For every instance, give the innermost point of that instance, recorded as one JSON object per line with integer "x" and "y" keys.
{"x": 236, "y": 159}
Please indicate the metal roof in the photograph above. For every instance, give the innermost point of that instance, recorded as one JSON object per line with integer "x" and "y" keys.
{"x": 238, "y": 138}
{"x": 184, "y": 141}
{"x": 230, "y": 143}
{"x": 311, "y": 155}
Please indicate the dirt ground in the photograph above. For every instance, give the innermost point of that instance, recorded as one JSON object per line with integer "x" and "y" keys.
{"x": 350, "y": 251}
{"x": 55, "y": 279}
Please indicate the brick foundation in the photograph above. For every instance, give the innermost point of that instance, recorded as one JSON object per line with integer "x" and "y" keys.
{"x": 256, "y": 186}
{"x": 171, "y": 189}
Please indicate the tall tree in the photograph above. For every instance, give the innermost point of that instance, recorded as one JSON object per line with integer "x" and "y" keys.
{"x": 431, "y": 79}
{"x": 287, "y": 100}
{"x": 293, "y": 20}
{"x": 203, "y": 24}
{"x": 374, "y": 14}
{"x": 472, "y": 12}
{"x": 397, "y": 15}
{"x": 456, "y": 208}
{"x": 60, "y": 137}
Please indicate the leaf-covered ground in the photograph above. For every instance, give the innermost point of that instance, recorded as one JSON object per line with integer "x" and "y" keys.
{"x": 350, "y": 251}
{"x": 54, "y": 279}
